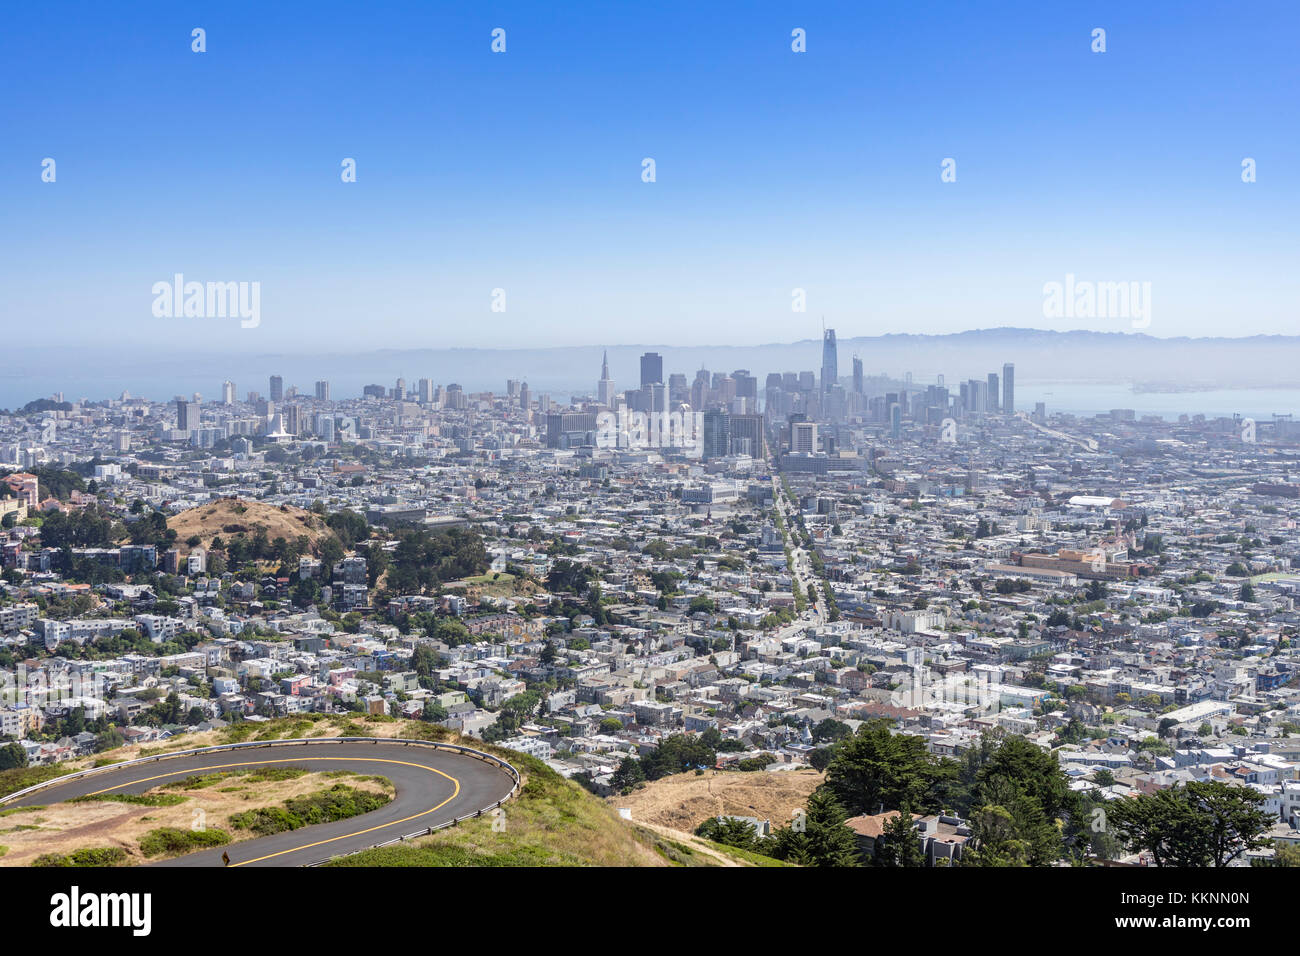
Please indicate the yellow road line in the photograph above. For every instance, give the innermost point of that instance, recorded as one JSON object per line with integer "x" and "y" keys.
{"x": 381, "y": 826}
{"x": 250, "y": 763}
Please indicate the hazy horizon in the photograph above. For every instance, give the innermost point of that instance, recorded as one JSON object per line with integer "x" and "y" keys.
{"x": 1042, "y": 359}
{"x": 783, "y": 179}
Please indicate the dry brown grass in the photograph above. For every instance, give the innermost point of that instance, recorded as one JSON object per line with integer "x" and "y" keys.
{"x": 63, "y": 827}
{"x": 683, "y": 801}
{"x": 212, "y": 520}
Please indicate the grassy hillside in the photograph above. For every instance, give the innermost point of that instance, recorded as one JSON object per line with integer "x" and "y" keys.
{"x": 554, "y": 822}
{"x": 683, "y": 801}
{"x": 230, "y": 517}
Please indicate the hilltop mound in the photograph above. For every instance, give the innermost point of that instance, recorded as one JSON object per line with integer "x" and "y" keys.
{"x": 683, "y": 801}
{"x": 229, "y": 517}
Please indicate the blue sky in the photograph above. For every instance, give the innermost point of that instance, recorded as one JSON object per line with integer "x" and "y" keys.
{"x": 521, "y": 170}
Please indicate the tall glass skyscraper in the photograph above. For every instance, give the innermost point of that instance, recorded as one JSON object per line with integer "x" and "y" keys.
{"x": 1008, "y": 389}
{"x": 830, "y": 361}
{"x": 652, "y": 369}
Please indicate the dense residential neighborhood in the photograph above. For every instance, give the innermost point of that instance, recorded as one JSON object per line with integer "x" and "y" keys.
{"x": 1119, "y": 594}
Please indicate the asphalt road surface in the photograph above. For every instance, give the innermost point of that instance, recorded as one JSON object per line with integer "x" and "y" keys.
{"x": 432, "y": 787}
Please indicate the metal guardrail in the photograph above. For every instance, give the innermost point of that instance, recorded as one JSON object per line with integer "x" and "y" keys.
{"x": 323, "y": 741}
{"x": 468, "y": 751}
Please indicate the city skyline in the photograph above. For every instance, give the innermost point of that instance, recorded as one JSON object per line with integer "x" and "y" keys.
{"x": 1248, "y": 375}
{"x": 829, "y": 436}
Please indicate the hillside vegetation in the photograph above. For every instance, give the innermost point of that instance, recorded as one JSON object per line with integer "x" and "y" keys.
{"x": 230, "y": 517}
{"x": 554, "y": 822}
{"x": 684, "y": 801}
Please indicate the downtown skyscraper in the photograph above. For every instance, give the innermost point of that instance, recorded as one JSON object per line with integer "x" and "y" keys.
{"x": 830, "y": 361}
{"x": 652, "y": 369}
{"x": 605, "y": 387}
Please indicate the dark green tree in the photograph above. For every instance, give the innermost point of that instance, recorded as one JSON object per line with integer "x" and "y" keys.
{"x": 820, "y": 837}
{"x": 1202, "y": 823}
{"x": 12, "y": 757}
{"x": 628, "y": 775}
{"x": 899, "y": 844}
{"x": 878, "y": 770}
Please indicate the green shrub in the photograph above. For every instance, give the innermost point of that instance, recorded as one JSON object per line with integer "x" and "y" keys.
{"x": 20, "y": 778}
{"x": 139, "y": 799}
{"x": 339, "y": 802}
{"x": 87, "y": 856}
{"x": 252, "y": 775}
{"x": 173, "y": 840}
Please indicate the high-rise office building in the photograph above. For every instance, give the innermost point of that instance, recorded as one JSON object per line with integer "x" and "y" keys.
{"x": 569, "y": 429}
{"x": 325, "y": 427}
{"x": 399, "y": 390}
{"x": 994, "y": 396}
{"x": 525, "y": 397}
{"x": 187, "y": 415}
{"x": 322, "y": 391}
{"x": 652, "y": 368}
{"x": 717, "y": 434}
{"x": 1008, "y": 389}
{"x": 678, "y": 391}
{"x": 426, "y": 391}
{"x": 746, "y": 435}
{"x": 654, "y": 397}
{"x": 803, "y": 437}
{"x": 227, "y": 392}
{"x": 277, "y": 388}
{"x": 830, "y": 361}
{"x": 857, "y": 375}
{"x": 746, "y": 385}
{"x": 605, "y": 387}
{"x": 834, "y": 404}
{"x": 773, "y": 394}
{"x": 700, "y": 390}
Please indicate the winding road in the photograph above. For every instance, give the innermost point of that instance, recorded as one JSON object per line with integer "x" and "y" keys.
{"x": 433, "y": 787}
